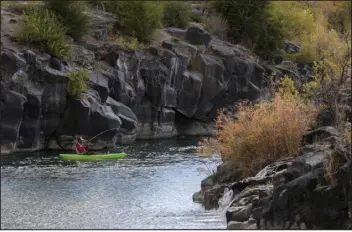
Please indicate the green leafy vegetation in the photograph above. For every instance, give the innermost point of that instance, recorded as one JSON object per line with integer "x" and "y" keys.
{"x": 77, "y": 82}
{"x": 73, "y": 16}
{"x": 41, "y": 28}
{"x": 177, "y": 14}
{"x": 251, "y": 24}
{"x": 320, "y": 29}
{"x": 140, "y": 19}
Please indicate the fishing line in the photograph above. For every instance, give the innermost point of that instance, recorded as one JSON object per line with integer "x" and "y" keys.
{"x": 101, "y": 133}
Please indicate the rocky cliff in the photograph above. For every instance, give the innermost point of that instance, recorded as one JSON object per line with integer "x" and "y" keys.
{"x": 173, "y": 87}
{"x": 292, "y": 193}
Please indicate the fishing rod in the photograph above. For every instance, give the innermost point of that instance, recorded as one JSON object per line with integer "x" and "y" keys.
{"x": 101, "y": 133}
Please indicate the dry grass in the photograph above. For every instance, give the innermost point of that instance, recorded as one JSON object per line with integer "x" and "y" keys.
{"x": 217, "y": 26}
{"x": 126, "y": 42}
{"x": 263, "y": 133}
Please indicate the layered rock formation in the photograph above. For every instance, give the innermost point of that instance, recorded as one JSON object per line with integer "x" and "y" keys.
{"x": 168, "y": 89}
{"x": 292, "y": 193}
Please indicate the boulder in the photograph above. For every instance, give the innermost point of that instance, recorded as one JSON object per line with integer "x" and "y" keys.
{"x": 197, "y": 36}
{"x": 176, "y": 32}
{"x": 207, "y": 183}
{"x": 211, "y": 196}
{"x": 319, "y": 134}
{"x": 239, "y": 213}
{"x": 198, "y": 197}
{"x": 247, "y": 225}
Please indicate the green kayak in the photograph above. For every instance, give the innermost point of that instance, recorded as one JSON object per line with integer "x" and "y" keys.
{"x": 92, "y": 157}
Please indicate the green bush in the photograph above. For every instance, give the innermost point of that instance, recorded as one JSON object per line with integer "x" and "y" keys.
{"x": 72, "y": 14}
{"x": 41, "y": 28}
{"x": 251, "y": 24}
{"x": 298, "y": 25}
{"x": 177, "y": 14}
{"x": 77, "y": 83}
{"x": 139, "y": 18}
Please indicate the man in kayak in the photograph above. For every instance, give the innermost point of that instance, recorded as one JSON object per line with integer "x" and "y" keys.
{"x": 80, "y": 147}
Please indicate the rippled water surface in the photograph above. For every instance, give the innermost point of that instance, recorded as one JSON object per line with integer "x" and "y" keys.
{"x": 150, "y": 189}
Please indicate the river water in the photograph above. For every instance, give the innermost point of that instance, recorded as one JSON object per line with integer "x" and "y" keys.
{"x": 150, "y": 189}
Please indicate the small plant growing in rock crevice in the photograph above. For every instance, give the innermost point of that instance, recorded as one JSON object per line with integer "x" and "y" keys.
{"x": 77, "y": 82}
{"x": 127, "y": 42}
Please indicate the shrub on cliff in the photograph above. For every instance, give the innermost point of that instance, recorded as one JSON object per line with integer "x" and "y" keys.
{"x": 77, "y": 83}
{"x": 318, "y": 28}
{"x": 259, "y": 135}
{"x": 72, "y": 14}
{"x": 217, "y": 26}
{"x": 126, "y": 42}
{"x": 177, "y": 14}
{"x": 41, "y": 28}
{"x": 140, "y": 19}
{"x": 298, "y": 25}
{"x": 251, "y": 24}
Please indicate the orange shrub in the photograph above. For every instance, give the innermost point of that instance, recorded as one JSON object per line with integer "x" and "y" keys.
{"x": 262, "y": 133}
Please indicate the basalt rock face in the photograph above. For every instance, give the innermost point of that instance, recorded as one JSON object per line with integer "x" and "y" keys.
{"x": 174, "y": 88}
{"x": 292, "y": 193}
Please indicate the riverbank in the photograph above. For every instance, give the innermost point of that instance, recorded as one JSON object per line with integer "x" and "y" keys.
{"x": 293, "y": 193}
